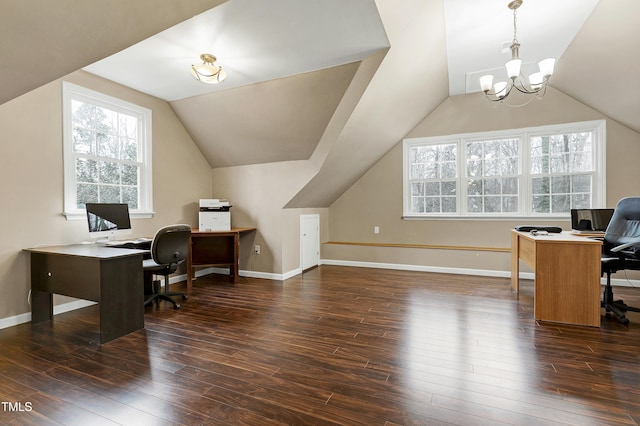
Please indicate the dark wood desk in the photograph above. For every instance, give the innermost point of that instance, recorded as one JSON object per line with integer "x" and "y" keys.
{"x": 215, "y": 248}
{"x": 110, "y": 276}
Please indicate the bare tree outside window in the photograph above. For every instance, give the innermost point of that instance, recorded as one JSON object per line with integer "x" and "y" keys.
{"x": 433, "y": 178}
{"x": 561, "y": 169}
{"x": 105, "y": 147}
{"x": 492, "y": 176}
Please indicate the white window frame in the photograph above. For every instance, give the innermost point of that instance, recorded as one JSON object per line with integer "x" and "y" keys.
{"x": 72, "y": 92}
{"x": 598, "y": 127}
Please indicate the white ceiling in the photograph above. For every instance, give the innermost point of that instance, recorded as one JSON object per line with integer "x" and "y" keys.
{"x": 253, "y": 40}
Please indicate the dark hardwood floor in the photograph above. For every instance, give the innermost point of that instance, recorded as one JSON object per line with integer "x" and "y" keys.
{"x": 336, "y": 345}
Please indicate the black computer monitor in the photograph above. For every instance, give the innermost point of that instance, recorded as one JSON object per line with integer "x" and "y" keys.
{"x": 594, "y": 220}
{"x": 108, "y": 219}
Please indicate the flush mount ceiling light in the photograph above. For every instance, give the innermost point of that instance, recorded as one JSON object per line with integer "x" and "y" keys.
{"x": 537, "y": 82}
{"x": 208, "y": 71}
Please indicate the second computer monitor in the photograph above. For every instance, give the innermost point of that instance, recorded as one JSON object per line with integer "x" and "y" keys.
{"x": 590, "y": 220}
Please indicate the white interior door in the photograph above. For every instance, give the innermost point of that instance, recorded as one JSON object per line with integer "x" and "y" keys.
{"x": 309, "y": 241}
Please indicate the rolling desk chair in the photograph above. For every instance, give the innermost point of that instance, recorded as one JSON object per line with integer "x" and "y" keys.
{"x": 621, "y": 250}
{"x": 169, "y": 248}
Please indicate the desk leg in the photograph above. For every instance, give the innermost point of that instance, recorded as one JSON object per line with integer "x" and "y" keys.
{"x": 41, "y": 306}
{"x": 190, "y": 264}
{"x": 41, "y": 299}
{"x": 121, "y": 297}
{"x": 235, "y": 266}
{"x": 515, "y": 262}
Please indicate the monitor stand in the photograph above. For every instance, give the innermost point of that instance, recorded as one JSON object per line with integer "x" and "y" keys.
{"x": 107, "y": 241}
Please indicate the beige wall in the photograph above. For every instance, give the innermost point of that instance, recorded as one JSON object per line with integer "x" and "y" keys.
{"x": 258, "y": 194}
{"x": 32, "y": 179}
{"x": 376, "y": 199}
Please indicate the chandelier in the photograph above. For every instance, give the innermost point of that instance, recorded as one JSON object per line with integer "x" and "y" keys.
{"x": 537, "y": 82}
{"x": 208, "y": 71}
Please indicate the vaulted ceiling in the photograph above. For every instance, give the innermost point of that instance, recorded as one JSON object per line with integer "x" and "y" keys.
{"x": 293, "y": 64}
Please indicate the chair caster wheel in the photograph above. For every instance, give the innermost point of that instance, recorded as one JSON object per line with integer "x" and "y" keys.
{"x": 184, "y": 297}
{"x": 177, "y": 306}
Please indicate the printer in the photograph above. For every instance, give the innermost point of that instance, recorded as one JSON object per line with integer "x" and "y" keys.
{"x": 214, "y": 215}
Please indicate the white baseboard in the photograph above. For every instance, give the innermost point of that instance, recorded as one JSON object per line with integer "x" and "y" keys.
{"x": 419, "y": 268}
{"x": 57, "y": 309}
{"x": 461, "y": 271}
{"x": 15, "y": 320}
{"x": 250, "y": 274}
{"x": 71, "y": 306}
{"x": 291, "y": 274}
{"x": 242, "y": 273}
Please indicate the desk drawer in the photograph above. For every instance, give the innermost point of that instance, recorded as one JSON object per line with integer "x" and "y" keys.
{"x": 67, "y": 275}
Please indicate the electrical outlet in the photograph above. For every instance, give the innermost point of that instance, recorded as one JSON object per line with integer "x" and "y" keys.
{"x": 256, "y": 249}
{"x": 376, "y": 229}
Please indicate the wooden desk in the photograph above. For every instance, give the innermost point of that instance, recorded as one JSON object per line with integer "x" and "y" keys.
{"x": 215, "y": 248}
{"x": 110, "y": 276}
{"x": 567, "y": 275}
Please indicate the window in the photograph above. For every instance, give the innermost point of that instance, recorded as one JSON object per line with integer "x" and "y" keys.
{"x": 107, "y": 152}
{"x": 434, "y": 182}
{"x": 492, "y": 175}
{"x": 536, "y": 172}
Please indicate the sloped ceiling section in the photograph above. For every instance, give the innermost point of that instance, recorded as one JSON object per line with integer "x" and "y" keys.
{"x": 279, "y": 120}
{"x": 410, "y": 82}
{"x": 601, "y": 67}
{"x": 41, "y": 41}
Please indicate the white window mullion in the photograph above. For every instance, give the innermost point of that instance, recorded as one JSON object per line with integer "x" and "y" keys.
{"x": 462, "y": 177}
{"x": 600, "y": 178}
{"x": 525, "y": 179}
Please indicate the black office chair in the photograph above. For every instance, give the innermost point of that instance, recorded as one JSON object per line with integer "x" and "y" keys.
{"x": 620, "y": 251}
{"x": 169, "y": 249}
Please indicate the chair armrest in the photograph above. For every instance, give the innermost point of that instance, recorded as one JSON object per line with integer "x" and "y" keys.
{"x": 624, "y": 246}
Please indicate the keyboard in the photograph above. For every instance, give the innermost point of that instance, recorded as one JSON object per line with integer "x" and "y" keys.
{"x": 587, "y": 232}
{"x": 140, "y": 243}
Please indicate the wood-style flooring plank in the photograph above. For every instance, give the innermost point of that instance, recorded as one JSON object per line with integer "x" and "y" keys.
{"x": 333, "y": 346}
